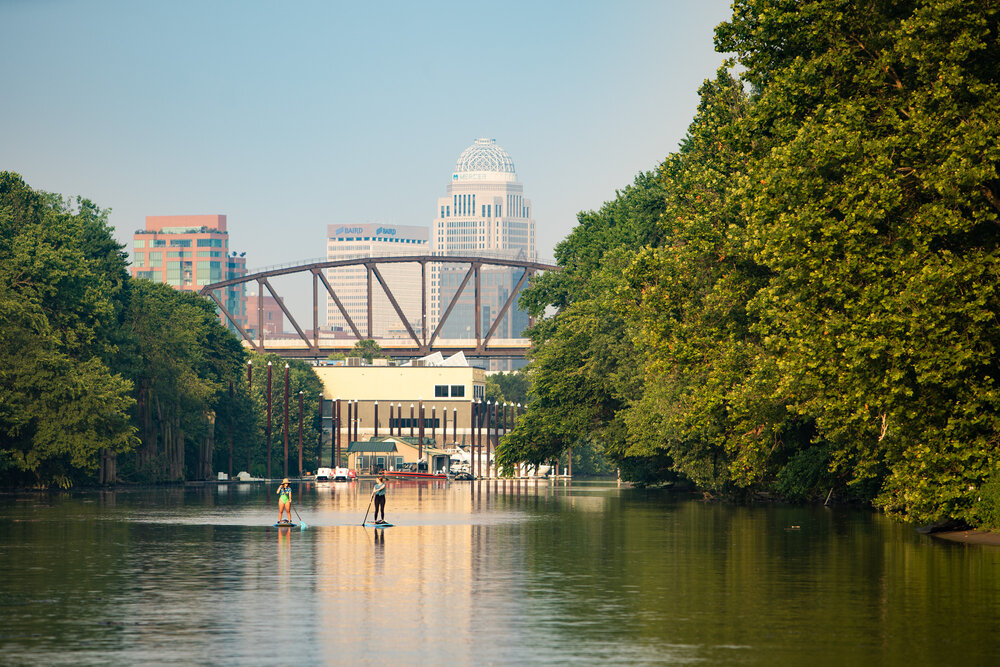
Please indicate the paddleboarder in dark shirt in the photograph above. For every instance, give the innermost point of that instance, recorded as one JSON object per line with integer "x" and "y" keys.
{"x": 379, "y": 494}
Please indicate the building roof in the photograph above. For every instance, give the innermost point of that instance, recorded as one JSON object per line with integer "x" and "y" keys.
{"x": 386, "y": 444}
{"x": 378, "y": 446}
{"x": 437, "y": 359}
{"x": 484, "y": 156}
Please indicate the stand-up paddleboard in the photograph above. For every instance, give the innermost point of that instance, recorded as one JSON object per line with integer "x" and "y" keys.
{"x": 286, "y": 524}
{"x": 369, "y": 524}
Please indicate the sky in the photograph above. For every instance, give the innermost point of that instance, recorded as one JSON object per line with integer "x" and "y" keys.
{"x": 289, "y": 116}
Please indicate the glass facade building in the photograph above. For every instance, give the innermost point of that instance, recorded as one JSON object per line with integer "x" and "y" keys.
{"x": 188, "y": 252}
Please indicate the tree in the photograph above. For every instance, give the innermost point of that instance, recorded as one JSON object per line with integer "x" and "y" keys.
{"x": 61, "y": 280}
{"x": 185, "y": 362}
{"x": 512, "y": 386}
{"x": 582, "y": 365}
{"x": 873, "y": 196}
{"x": 301, "y": 377}
{"x": 368, "y": 349}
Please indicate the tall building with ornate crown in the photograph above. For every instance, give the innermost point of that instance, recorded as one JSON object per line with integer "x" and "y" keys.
{"x": 483, "y": 214}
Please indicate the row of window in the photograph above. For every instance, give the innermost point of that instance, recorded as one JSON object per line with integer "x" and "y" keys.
{"x": 384, "y": 239}
{"x": 442, "y": 390}
{"x": 369, "y": 462}
{"x": 464, "y": 204}
{"x": 178, "y": 243}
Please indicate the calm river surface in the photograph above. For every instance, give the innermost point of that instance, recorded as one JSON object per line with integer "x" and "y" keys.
{"x": 480, "y": 573}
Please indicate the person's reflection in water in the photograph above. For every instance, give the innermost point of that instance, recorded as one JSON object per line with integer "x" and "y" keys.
{"x": 284, "y": 549}
{"x": 379, "y": 551}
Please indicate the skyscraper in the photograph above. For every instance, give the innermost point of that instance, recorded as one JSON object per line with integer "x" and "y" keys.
{"x": 351, "y": 282}
{"x": 188, "y": 252}
{"x": 484, "y": 214}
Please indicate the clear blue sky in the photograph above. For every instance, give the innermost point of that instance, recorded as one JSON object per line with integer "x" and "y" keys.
{"x": 288, "y": 116}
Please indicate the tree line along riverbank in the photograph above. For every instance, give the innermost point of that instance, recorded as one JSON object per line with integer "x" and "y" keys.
{"x": 802, "y": 300}
{"x": 104, "y": 378}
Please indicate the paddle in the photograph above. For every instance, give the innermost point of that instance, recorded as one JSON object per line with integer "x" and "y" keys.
{"x": 302, "y": 524}
{"x": 365, "y": 520}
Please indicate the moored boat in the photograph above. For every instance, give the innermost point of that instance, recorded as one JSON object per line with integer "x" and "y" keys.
{"x": 415, "y": 471}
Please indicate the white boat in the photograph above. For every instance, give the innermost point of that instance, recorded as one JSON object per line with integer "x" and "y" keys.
{"x": 324, "y": 474}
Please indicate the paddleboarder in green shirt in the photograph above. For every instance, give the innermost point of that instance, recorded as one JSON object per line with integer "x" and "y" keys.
{"x": 285, "y": 500}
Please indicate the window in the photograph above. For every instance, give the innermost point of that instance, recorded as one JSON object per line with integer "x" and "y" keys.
{"x": 156, "y": 258}
{"x": 440, "y": 390}
{"x": 157, "y": 243}
{"x": 457, "y": 390}
{"x": 180, "y": 243}
{"x": 479, "y": 391}
{"x": 140, "y": 259}
{"x": 140, "y": 243}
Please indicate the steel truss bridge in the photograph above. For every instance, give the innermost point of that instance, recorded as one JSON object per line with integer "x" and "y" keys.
{"x": 415, "y": 346}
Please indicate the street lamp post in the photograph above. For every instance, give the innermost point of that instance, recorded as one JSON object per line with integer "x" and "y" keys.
{"x": 300, "y": 433}
{"x": 319, "y": 438}
{"x": 285, "y": 422}
{"x": 269, "y": 420}
{"x": 336, "y": 430}
{"x": 420, "y": 431}
{"x": 249, "y": 394}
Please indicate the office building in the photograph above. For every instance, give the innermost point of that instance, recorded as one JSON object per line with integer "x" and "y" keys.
{"x": 188, "y": 252}
{"x": 483, "y": 214}
{"x": 351, "y": 282}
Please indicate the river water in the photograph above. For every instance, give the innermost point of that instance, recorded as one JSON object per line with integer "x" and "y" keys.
{"x": 491, "y": 573}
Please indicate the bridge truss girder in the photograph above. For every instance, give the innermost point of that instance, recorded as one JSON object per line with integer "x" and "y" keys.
{"x": 421, "y": 345}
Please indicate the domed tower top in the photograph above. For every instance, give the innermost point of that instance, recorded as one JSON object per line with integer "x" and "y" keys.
{"x": 482, "y": 161}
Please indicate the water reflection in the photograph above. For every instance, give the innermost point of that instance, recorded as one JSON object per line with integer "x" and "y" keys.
{"x": 498, "y": 572}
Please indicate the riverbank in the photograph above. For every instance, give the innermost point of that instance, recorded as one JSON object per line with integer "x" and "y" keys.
{"x": 970, "y": 537}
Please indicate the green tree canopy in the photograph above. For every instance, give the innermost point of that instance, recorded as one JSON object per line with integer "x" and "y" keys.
{"x": 62, "y": 282}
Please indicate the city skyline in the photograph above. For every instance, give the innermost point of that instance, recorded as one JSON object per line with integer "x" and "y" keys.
{"x": 296, "y": 118}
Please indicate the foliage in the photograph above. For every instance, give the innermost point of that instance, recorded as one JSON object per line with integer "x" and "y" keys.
{"x": 184, "y": 361}
{"x": 301, "y": 378}
{"x": 96, "y": 365}
{"x": 512, "y": 386}
{"x": 875, "y": 206}
{"x": 583, "y": 366}
{"x": 804, "y": 296}
{"x": 61, "y": 289}
{"x": 368, "y": 349}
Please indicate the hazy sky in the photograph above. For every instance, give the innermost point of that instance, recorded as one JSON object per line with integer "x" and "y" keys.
{"x": 288, "y": 116}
